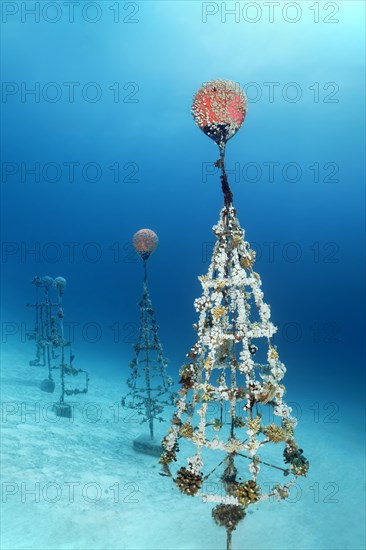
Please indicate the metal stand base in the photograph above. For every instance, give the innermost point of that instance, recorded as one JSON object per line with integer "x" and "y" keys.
{"x": 62, "y": 410}
{"x": 47, "y": 385}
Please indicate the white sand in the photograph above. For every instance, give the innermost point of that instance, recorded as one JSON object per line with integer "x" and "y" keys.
{"x": 120, "y": 501}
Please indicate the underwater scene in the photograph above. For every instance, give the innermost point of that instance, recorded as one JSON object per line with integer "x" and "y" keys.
{"x": 183, "y": 275}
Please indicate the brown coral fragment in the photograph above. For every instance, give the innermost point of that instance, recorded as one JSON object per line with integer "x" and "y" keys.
{"x": 248, "y": 492}
{"x": 186, "y": 430}
{"x": 275, "y": 433}
{"x": 187, "y": 376}
{"x": 228, "y": 515}
{"x": 248, "y": 261}
{"x": 188, "y": 482}
{"x": 273, "y": 353}
{"x": 281, "y": 491}
{"x": 254, "y": 424}
{"x": 299, "y": 465}
{"x": 208, "y": 364}
{"x": 288, "y": 427}
{"x": 218, "y": 312}
{"x": 167, "y": 457}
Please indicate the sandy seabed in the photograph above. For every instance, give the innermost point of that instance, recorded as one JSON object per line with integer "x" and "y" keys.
{"x": 80, "y": 485}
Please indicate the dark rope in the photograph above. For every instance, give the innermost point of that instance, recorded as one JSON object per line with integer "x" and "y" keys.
{"x": 145, "y": 258}
{"x": 228, "y": 196}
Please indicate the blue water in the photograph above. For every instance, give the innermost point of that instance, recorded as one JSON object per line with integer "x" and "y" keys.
{"x": 139, "y": 161}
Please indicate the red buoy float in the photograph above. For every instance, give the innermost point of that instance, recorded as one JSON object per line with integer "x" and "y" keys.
{"x": 145, "y": 242}
{"x": 219, "y": 109}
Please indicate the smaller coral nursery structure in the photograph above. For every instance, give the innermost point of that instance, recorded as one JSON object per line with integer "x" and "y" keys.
{"x": 149, "y": 385}
{"x": 231, "y": 418}
{"x": 52, "y": 349}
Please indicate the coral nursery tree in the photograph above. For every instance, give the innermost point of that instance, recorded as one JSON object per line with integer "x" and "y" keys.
{"x": 149, "y": 385}
{"x": 67, "y": 369}
{"x": 45, "y": 332}
{"x": 231, "y": 423}
{"x": 52, "y": 348}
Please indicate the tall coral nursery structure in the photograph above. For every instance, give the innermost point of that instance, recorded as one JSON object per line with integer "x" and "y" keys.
{"x": 150, "y": 387}
{"x": 231, "y": 418}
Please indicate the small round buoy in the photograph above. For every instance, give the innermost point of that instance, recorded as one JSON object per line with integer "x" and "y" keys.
{"x": 60, "y": 284}
{"x": 145, "y": 242}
